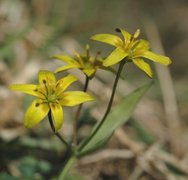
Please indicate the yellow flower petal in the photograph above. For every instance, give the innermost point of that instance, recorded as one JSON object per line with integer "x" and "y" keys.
{"x": 46, "y": 76}
{"x": 57, "y": 114}
{"x": 126, "y": 35}
{"x": 157, "y": 58}
{"x": 65, "y": 58}
{"x": 25, "y": 88}
{"x": 116, "y": 56}
{"x": 143, "y": 66}
{"x": 66, "y": 67}
{"x": 73, "y": 98}
{"x": 108, "y": 38}
{"x": 35, "y": 113}
{"x": 65, "y": 82}
{"x": 89, "y": 71}
{"x": 142, "y": 45}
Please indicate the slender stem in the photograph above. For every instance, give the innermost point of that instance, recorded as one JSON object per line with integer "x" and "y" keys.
{"x": 77, "y": 115}
{"x": 67, "y": 167}
{"x": 56, "y": 133}
{"x": 113, "y": 90}
{"x": 109, "y": 104}
{"x": 72, "y": 158}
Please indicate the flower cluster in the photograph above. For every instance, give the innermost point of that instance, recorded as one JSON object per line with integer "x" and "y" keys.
{"x": 51, "y": 93}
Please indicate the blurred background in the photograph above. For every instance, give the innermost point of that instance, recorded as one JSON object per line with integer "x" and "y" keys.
{"x": 152, "y": 145}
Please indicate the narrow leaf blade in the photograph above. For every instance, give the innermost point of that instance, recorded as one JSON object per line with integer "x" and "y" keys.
{"x": 117, "y": 117}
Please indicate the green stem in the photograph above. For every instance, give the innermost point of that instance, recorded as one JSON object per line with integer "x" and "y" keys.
{"x": 109, "y": 104}
{"x": 67, "y": 167}
{"x": 113, "y": 91}
{"x": 75, "y": 133}
{"x": 72, "y": 158}
{"x": 56, "y": 133}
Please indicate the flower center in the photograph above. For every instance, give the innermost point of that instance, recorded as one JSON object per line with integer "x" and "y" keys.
{"x": 52, "y": 98}
{"x": 50, "y": 94}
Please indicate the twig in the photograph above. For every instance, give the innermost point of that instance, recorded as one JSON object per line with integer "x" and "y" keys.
{"x": 77, "y": 115}
{"x": 127, "y": 142}
{"x": 136, "y": 173}
{"x": 106, "y": 154}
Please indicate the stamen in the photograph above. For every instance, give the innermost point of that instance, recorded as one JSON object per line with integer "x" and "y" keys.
{"x": 57, "y": 85}
{"x": 137, "y": 33}
{"x": 39, "y": 91}
{"x": 97, "y": 54}
{"x": 136, "y": 44}
{"x": 118, "y": 30}
{"x": 132, "y": 38}
{"x": 37, "y": 104}
{"x": 44, "y": 81}
{"x": 78, "y": 58}
{"x": 87, "y": 50}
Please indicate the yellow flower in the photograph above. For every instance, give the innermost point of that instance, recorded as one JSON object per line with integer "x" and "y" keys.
{"x": 50, "y": 95}
{"x": 85, "y": 63}
{"x": 131, "y": 49}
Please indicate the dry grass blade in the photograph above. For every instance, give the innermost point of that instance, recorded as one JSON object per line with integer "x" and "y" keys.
{"x": 106, "y": 154}
{"x": 169, "y": 97}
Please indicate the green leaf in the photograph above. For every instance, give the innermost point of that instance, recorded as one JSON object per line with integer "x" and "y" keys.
{"x": 96, "y": 147}
{"x": 5, "y": 176}
{"x": 67, "y": 167}
{"x": 117, "y": 117}
{"x": 175, "y": 169}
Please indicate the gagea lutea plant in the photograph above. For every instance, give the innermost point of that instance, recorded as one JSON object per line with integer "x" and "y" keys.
{"x": 52, "y": 95}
